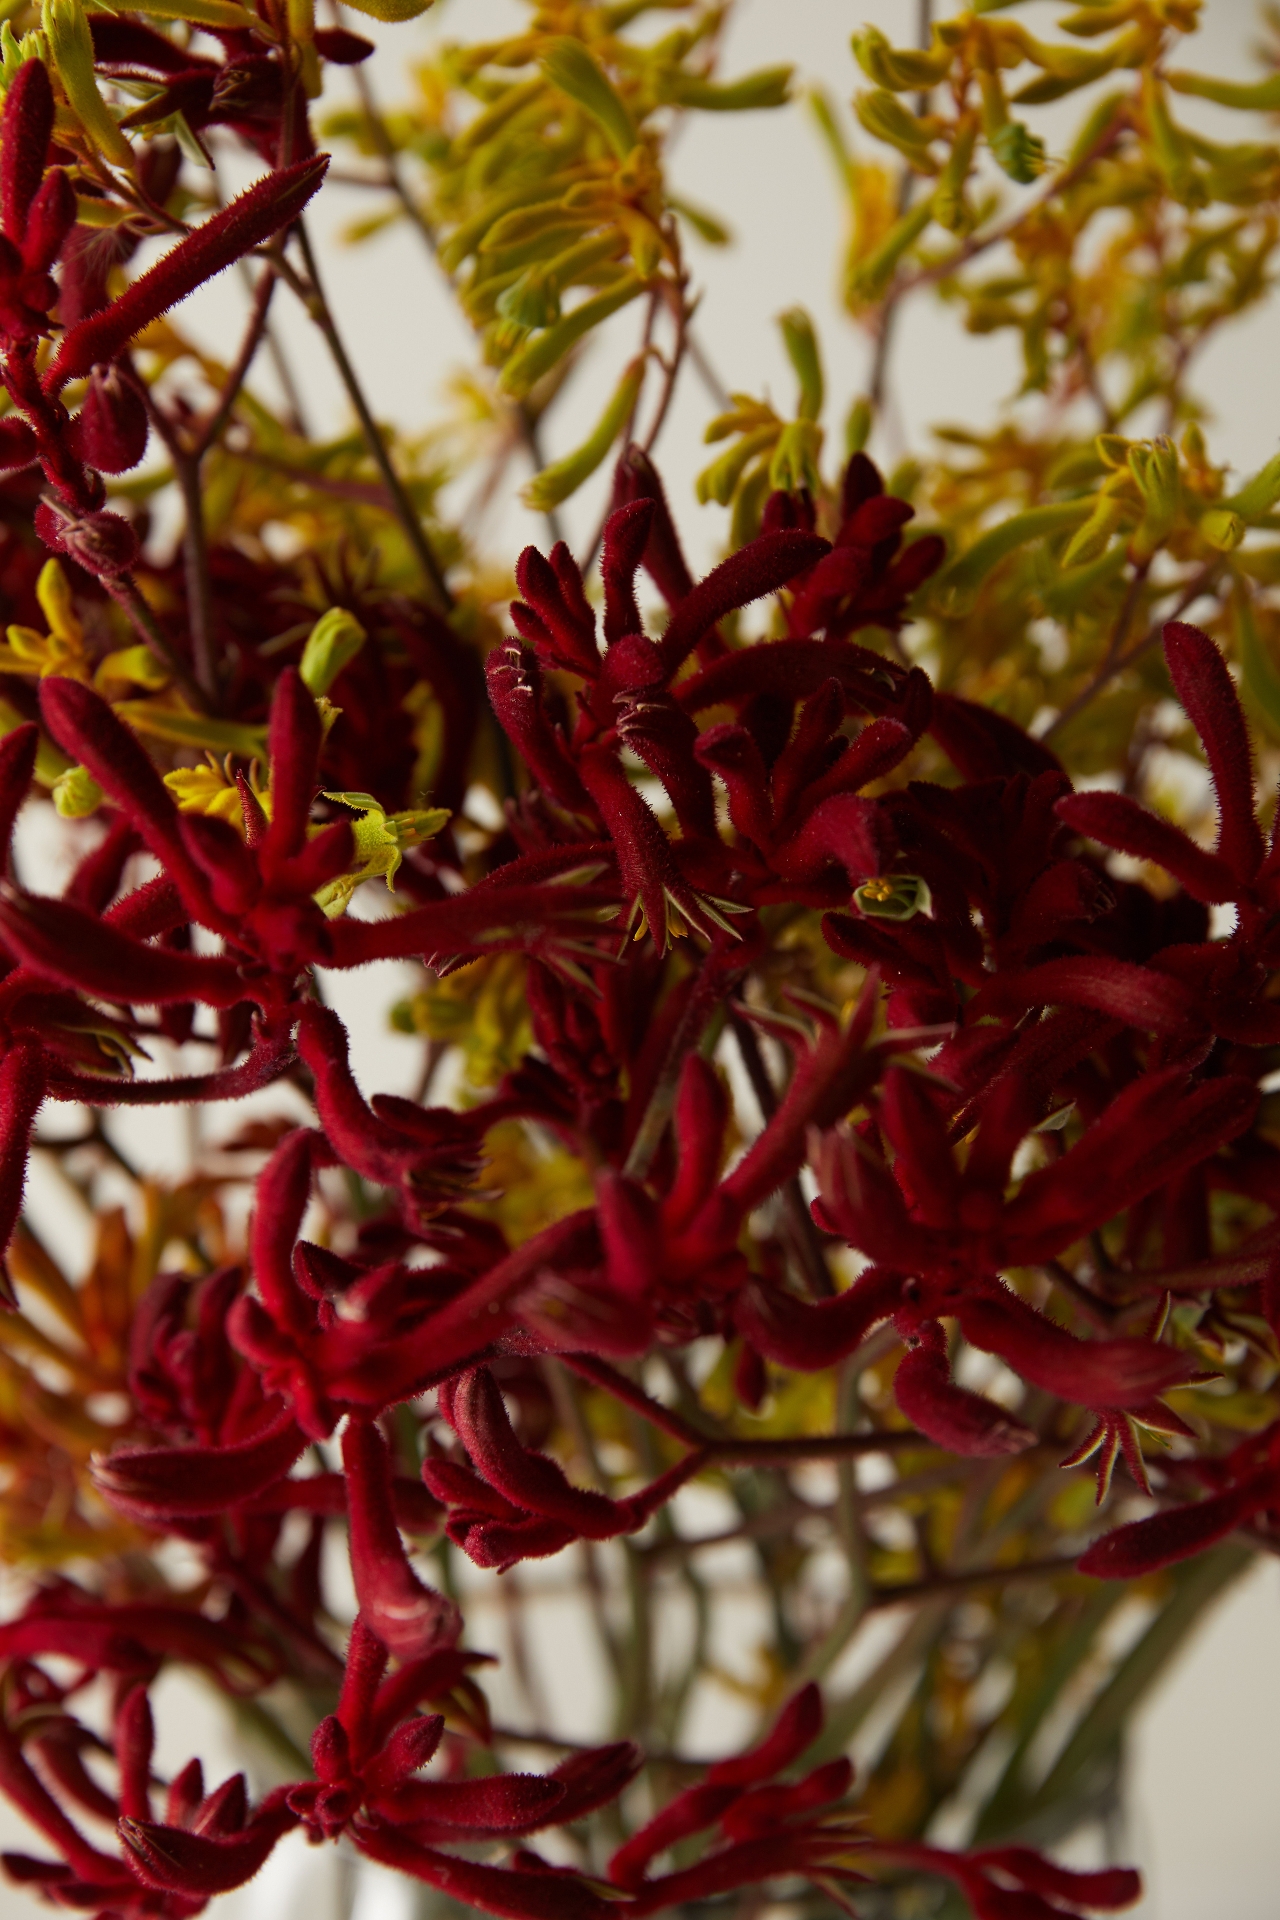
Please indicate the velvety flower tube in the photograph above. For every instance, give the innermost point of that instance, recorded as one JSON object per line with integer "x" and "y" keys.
{"x": 1090, "y": 1373}
{"x": 1139, "y": 996}
{"x": 761, "y": 567}
{"x": 508, "y": 1893}
{"x": 562, "y": 624}
{"x": 1144, "y": 1546}
{"x": 1151, "y": 1132}
{"x": 636, "y": 478}
{"x": 22, "y": 1088}
{"x": 252, "y": 217}
{"x": 200, "y": 1865}
{"x": 24, "y": 143}
{"x": 1116, "y": 821}
{"x": 810, "y": 1336}
{"x": 474, "y": 1408}
{"x": 62, "y": 942}
{"x": 410, "y": 1618}
{"x": 86, "y": 728}
{"x": 293, "y": 747}
{"x": 1207, "y": 692}
{"x": 962, "y": 1422}
{"x": 158, "y": 1484}
{"x": 626, "y": 535}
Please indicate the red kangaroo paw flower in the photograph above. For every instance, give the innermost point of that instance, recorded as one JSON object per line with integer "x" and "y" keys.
{"x": 700, "y": 1117}
{"x": 18, "y": 444}
{"x": 1091, "y": 1373}
{"x": 961, "y": 1421}
{"x": 875, "y": 752}
{"x": 1107, "y": 1888}
{"x": 925, "y": 1167}
{"x": 293, "y": 745}
{"x": 408, "y": 1617}
{"x": 646, "y": 865}
{"x": 661, "y": 733}
{"x": 533, "y": 1483}
{"x": 342, "y": 48}
{"x": 24, "y": 142}
{"x": 202, "y": 1864}
{"x": 761, "y": 567}
{"x": 733, "y": 755}
{"x": 251, "y": 218}
{"x": 1144, "y": 1546}
{"x": 50, "y": 218}
{"x": 22, "y": 1088}
{"x": 133, "y": 1737}
{"x": 284, "y": 1188}
{"x": 1137, "y": 995}
{"x": 593, "y": 1779}
{"x": 689, "y": 1812}
{"x": 557, "y": 617}
{"x": 982, "y": 744}
{"x": 795, "y": 1729}
{"x": 809, "y": 1336}
{"x": 365, "y": 1666}
{"x": 156, "y": 1484}
{"x": 321, "y": 859}
{"x": 508, "y": 1893}
{"x": 843, "y": 831}
{"x": 104, "y": 544}
{"x": 489, "y": 917}
{"x": 765, "y": 1809}
{"x": 406, "y": 1752}
{"x": 229, "y": 868}
{"x": 748, "y": 1863}
{"x": 186, "y": 1791}
{"x": 626, "y": 534}
{"x": 827, "y": 1080}
{"x": 1207, "y": 691}
{"x": 64, "y": 943}
{"x": 636, "y": 478}
{"x": 504, "y": 1803}
{"x": 1114, "y": 820}
{"x": 514, "y": 682}
{"x": 371, "y": 1146}
{"x": 85, "y": 727}
{"x": 21, "y": 1785}
{"x": 110, "y": 430}
{"x": 631, "y": 1232}
{"x": 1150, "y": 1134}
{"x": 154, "y": 907}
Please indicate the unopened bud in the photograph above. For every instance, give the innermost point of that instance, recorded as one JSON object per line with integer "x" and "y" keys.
{"x": 110, "y": 430}
{"x": 102, "y": 543}
{"x": 335, "y": 639}
{"x": 1222, "y": 529}
{"x": 76, "y": 794}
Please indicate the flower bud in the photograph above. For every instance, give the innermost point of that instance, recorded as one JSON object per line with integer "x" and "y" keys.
{"x": 1222, "y": 529}
{"x": 76, "y": 794}
{"x": 102, "y": 543}
{"x": 110, "y": 430}
{"x": 335, "y": 639}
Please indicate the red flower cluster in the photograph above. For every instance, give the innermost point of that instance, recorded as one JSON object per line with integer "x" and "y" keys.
{"x": 1002, "y": 941}
{"x": 991, "y": 932}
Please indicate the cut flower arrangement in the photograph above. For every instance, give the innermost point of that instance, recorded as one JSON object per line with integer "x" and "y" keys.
{"x": 847, "y": 1057}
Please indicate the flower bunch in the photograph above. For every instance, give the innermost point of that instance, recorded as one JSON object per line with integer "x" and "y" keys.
{"x": 840, "y": 1109}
